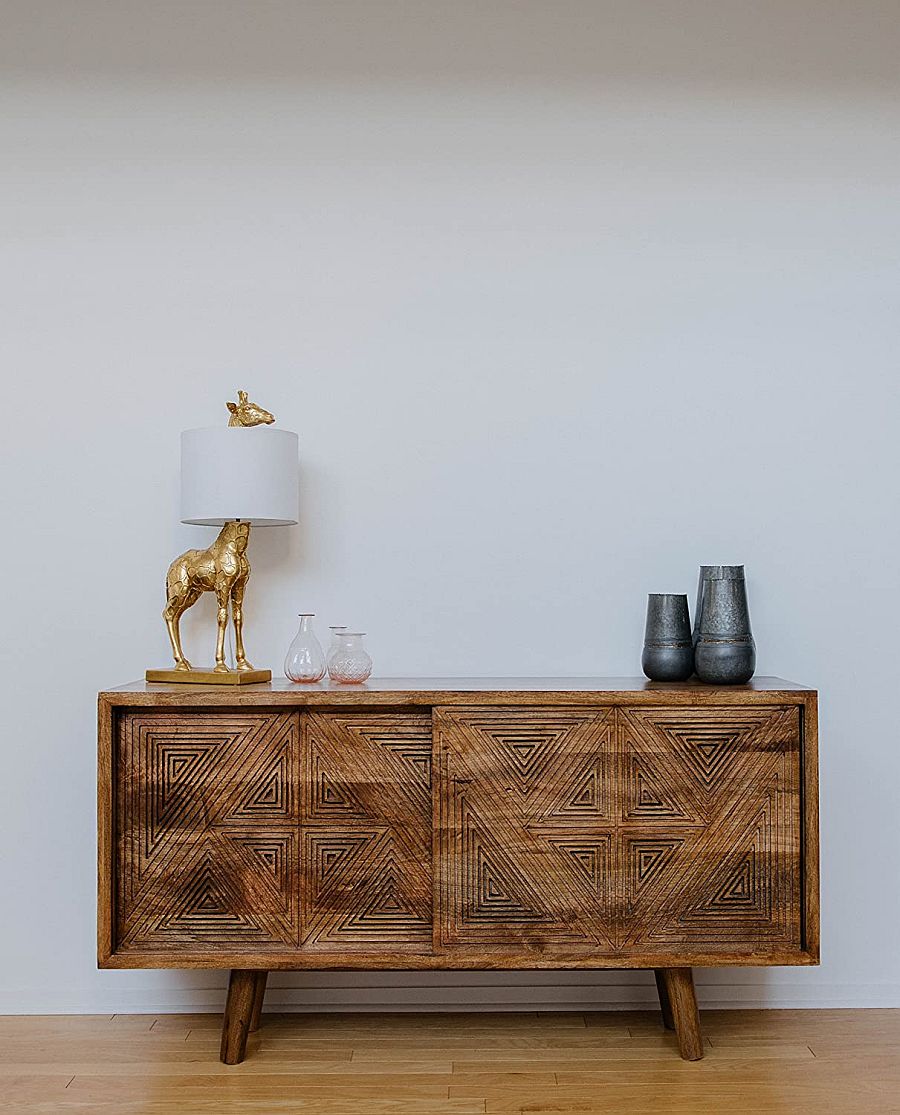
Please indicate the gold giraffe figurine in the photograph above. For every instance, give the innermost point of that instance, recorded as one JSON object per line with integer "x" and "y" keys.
{"x": 222, "y": 569}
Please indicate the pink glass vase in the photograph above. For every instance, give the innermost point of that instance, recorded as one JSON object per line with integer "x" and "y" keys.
{"x": 350, "y": 662}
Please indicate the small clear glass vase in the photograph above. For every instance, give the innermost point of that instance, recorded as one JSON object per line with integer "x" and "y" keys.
{"x": 350, "y": 663}
{"x": 305, "y": 660}
{"x": 335, "y": 630}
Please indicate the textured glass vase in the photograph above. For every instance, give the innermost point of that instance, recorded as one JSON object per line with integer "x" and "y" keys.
{"x": 305, "y": 660}
{"x": 335, "y": 631}
{"x": 350, "y": 663}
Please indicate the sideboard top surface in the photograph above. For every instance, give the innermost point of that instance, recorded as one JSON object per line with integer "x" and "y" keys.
{"x": 394, "y": 692}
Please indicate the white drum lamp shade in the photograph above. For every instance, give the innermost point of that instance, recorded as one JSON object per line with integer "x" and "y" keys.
{"x": 236, "y": 472}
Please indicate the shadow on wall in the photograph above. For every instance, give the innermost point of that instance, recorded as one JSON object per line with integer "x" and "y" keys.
{"x": 720, "y": 988}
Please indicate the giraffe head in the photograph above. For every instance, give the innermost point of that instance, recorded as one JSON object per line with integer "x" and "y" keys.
{"x": 245, "y": 413}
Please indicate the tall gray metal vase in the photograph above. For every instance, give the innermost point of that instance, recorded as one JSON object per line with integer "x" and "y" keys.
{"x": 724, "y": 650}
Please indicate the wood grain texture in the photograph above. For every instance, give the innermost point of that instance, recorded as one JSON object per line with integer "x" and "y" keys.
{"x": 399, "y": 692}
{"x": 277, "y": 828}
{"x": 620, "y": 831}
{"x": 802, "y": 1062}
{"x": 242, "y": 989}
{"x": 710, "y": 829}
{"x": 259, "y": 994}
{"x": 207, "y": 841}
{"x": 366, "y": 878}
{"x": 525, "y": 803}
{"x": 205, "y": 956}
{"x": 679, "y": 985}
{"x": 107, "y": 863}
{"x": 810, "y": 811}
{"x": 665, "y": 1005}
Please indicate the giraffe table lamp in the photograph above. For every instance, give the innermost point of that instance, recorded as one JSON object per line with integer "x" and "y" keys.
{"x": 233, "y": 477}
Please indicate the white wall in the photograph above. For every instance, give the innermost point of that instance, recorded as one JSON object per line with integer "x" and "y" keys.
{"x": 563, "y": 299}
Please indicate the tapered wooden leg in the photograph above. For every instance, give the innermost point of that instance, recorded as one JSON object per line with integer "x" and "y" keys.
{"x": 259, "y": 992}
{"x": 679, "y": 985}
{"x": 664, "y": 1005}
{"x": 238, "y": 1012}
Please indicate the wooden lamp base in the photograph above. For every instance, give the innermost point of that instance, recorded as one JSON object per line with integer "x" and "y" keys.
{"x": 209, "y": 676}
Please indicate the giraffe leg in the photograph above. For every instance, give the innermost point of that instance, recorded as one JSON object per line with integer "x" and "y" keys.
{"x": 172, "y": 616}
{"x": 222, "y": 618}
{"x": 177, "y": 604}
{"x": 237, "y": 616}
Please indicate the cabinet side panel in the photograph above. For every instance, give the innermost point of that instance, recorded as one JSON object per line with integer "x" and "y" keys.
{"x": 106, "y": 864}
{"x": 810, "y": 728}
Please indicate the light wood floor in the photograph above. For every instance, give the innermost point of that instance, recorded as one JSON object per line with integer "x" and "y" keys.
{"x": 432, "y": 1064}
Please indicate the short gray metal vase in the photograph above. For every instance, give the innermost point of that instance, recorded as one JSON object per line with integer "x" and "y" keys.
{"x": 724, "y": 651}
{"x": 668, "y": 650}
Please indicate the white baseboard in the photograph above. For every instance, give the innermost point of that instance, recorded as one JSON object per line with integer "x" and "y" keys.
{"x": 465, "y": 991}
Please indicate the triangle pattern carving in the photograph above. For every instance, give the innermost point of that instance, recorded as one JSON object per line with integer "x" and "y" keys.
{"x": 576, "y": 786}
{"x": 409, "y": 743}
{"x": 587, "y": 860}
{"x": 383, "y": 909}
{"x": 580, "y": 798}
{"x": 743, "y": 887}
{"x": 528, "y": 748}
{"x": 386, "y": 909}
{"x": 270, "y": 793}
{"x": 589, "y": 855}
{"x": 709, "y": 753}
{"x": 707, "y": 742}
{"x": 336, "y": 798}
{"x": 180, "y": 768}
{"x": 645, "y": 797}
{"x": 206, "y": 904}
{"x": 586, "y": 795}
{"x": 739, "y": 888}
{"x": 495, "y": 892}
{"x": 416, "y": 758}
{"x": 332, "y": 856}
{"x": 648, "y": 860}
{"x": 273, "y": 855}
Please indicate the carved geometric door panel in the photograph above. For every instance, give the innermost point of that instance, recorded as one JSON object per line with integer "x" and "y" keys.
{"x": 577, "y": 834}
{"x": 630, "y": 832}
{"x": 207, "y": 813}
{"x": 525, "y": 830}
{"x": 366, "y": 823}
{"x": 710, "y": 829}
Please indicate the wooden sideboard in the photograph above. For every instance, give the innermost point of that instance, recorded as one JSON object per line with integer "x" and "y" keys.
{"x": 487, "y": 824}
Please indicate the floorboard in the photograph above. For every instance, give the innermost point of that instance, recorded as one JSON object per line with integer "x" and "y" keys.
{"x": 765, "y": 1062}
